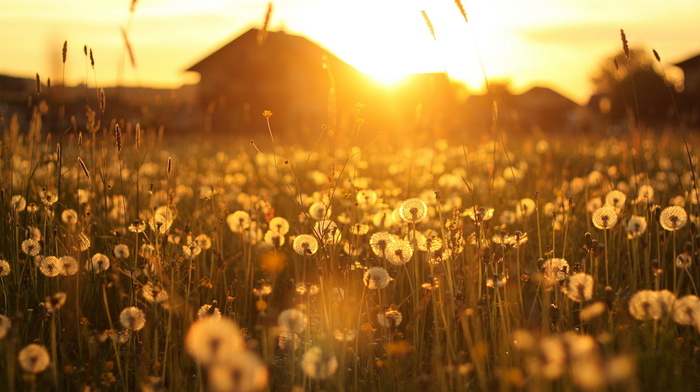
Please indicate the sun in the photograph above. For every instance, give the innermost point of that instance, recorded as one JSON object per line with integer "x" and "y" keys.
{"x": 405, "y": 46}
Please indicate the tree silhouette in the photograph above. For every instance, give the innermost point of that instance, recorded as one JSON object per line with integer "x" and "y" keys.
{"x": 633, "y": 89}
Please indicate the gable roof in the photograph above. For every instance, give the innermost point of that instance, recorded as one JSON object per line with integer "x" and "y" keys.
{"x": 288, "y": 46}
{"x": 692, "y": 62}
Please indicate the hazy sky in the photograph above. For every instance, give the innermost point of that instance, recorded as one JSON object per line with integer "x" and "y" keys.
{"x": 554, "y": 43}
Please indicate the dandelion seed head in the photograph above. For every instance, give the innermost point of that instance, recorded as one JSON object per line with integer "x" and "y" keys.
{"x": 292, "y": 321}
{"x": 579, "y": 287}
{"x": 391, "y": 318}
{"x": 209, "y": 340}
{"x": 673, "y": 218}
{"x": 100, "y": 262}
{"x": 132, "y": 318}
{"x": 4, "y": 268}
{"x": 399, "y": 252}
{"x": 69, "y": 265}
{"x": 319, "y": 364}
{"x": 305, "y": 245}
{"x": 604, "y": 218}
{"x": 34, "y": 358}
{"x": 413, "y": 210}
{"x": 49, "y": 266}
{"x": 376, "y": 278}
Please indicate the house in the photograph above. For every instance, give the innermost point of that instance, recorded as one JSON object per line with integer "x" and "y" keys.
{"x": 689, "y": 104}
{"x": 304, "y": 85}
{"x": 691, "y": 74}
{"x": 537, "y": 109}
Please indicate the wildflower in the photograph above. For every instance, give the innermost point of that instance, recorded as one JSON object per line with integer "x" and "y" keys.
{"x": 379, "y": 242}
{"x": 305, "y": 245}
{"x": 121, "y": 251}
{"x": 318, "y": 364}
{"x": 413, "y": 210}
{"x": 376, "y": 278}
{"x": 594, "y": 204}
{"x": 366, "y": 198}
{"x": 34, "y": 358}
{"x": 430, "y": 242}
{"x": 307, "y": 288}
{"x": 137, "y": 226}
{"x": 525, "y": 208}
{"x": 5, "y": 325}
{"x": 592, "y": 311}
{"x": 666, "y": 300}
{"x": 553, "y": 356}
{"x": 479, "y": 214}
{"x": 279, "y": 225}
{"x": 604, "y": 218}
{"x": 49, "y": 265}
{"x": 328, "y": 231}
{"x": 391, "y": 318}
{"x": 191, "y": 251}
{"x": 208, "y": 310}
{"x": 555, "y": 270}
{"x": 238, "y": 371}
{"x": 18, "y": 203}
{"x": 686, "y": 311}
{"x": 518, "y": 239}
{"x": 359, "y": 229}
{"x": 508, "y": 217}
{"x": 48, "y": 198}
{"x": 383, "y": 219}
{"x": 683, "y": 260}
{"x": 292, "y": 321}
{"x": 399, "y": 252}
{"x": 4, "y": 268}
{"x": 69, "y": 265}
{"x": 69, "y": 217}
{"x": 616, "y": 199}
{"x": 208, "y": 340}
{"x": 154, "y": 293}
{"x": 54, "y": 302}
{"x": 162, "y": 219}
{"x": 594, "y": 178}
{"x": 645, "y": 194}
{"x": 100, "y": 262}
{"x": 31, "y": 247}
{"x": 579, "y": 288}
{"x": 274, "y": 238}
{"x": 644, "y": 305}
{"x": 83, "y": 242}
{"x": 147, "y": 250}
{"x": 673, "y": 218}
{"x": 319, "y": 211}
{"x": 132, "y": 318}
{"x": 636, "y": 226}
{"x": 203, "y": 241}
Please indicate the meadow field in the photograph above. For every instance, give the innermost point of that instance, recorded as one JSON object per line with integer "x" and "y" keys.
{"x": 136, "y": 260}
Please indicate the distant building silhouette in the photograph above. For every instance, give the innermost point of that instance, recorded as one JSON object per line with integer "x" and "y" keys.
{"x": 537, "y": 109}
{"x": 690, "y": 98}
{"x": 303, "y": 84}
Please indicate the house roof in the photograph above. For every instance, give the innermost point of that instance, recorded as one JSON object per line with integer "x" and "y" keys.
{"x": 547, "y": 94}
{"x": 693, "y": 62}
{"x": 284, "y": 45}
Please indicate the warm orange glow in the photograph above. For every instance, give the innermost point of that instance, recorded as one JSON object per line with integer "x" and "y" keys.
{"x": 540, "y": 42}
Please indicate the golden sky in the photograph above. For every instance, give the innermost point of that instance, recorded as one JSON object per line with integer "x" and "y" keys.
{"x": 553, "y": 43}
